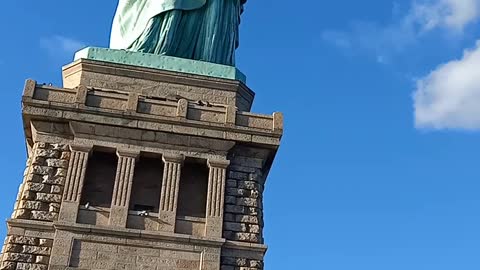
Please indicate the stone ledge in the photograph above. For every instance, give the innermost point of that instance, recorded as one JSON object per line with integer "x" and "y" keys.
{"x": 245, "y": 246}
{"x": 138, "y": 234}
{"x": 161, "y": 62}
{"x": 31, "y": 224}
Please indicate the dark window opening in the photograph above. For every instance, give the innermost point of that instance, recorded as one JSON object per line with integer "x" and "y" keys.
{"x": 147, "y": 185}
{"x": 99, "y": 179}
{"x": 192, "y": 198}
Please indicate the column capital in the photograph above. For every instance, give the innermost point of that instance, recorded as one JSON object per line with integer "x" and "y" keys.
{"x": 174, "y": 158}
{"x": 218, "y": 163}
{"x": 81, "y": 148}
{"x": 128, "y": 153}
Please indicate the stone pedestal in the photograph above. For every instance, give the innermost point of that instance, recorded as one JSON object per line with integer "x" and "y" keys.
{"x": 141, "y": 112}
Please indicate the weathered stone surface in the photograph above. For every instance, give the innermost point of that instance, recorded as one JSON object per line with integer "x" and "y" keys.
{"x": 8, "y": 266}
{"x": 36, "y": 250}
{"x": 230, "y": 200}
{"x": 234, "y": 261}
{"x": 236, "y": 227}
{"x": 243, "y": 263}
{"x": 33, "y": 178}
{"x": 237, "y": 192}
{"x": 256, "y": 229}
{"x": 60, "y": 172}
{"x": 247, "y": 219}
{"x": 42, "y": 260}
{"x": 22, "y": 240}
{"x": 44, "y": 153}
{"x": 248, "y": 185}
{"x": 56, "y": 189}
{"x": 45, "y": 242}
{"x": 13, "y": 248}
{"x": 37, "y": 187}
{"x": 250, "y": 202}
{"x": 33, "y": 205}
{"x": 256, "y": 263}
{"x": 42, "y": 170}
{"x": 57, "y": 163}
{"x": 54, "y": 207}
{"x": 28, "y": 195}
{"x": 38, "y": 160}
{"x": 31, "y": 266}
{"x": 54, "y": 180}
{"x": 234, "y": 209}
{"x": 65, "y": 156}
{"x": 18, "y": 257}
{"x": 50, "y": 198}
{"x": 44, "y": 215}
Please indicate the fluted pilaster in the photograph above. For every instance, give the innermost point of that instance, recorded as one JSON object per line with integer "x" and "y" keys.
{"x": 122, "y": 188}
{"x": 216, "y": 197}
{"x": 169, "y": 195}
{"x": 75, "y": 179}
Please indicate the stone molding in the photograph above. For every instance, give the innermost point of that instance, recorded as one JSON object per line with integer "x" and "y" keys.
{"x": 130, "y": 153}
{"x": 174, "y": 158}
{"x": 81, "y": 148}
{"x": 218, "y": 163}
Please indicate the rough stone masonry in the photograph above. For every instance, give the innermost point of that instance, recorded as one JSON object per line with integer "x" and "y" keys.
{"x": 141, "y": 168}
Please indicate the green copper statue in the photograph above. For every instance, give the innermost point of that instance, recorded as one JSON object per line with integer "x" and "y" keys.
{"x": 205, "y": 30}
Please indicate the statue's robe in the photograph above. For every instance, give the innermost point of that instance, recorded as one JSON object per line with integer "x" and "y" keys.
{"x": 205, "y": 30}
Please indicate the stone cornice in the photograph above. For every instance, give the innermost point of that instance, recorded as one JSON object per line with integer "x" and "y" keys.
{"x": 50, "y": 103}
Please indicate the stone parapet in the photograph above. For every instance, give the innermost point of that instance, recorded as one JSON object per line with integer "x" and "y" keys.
{"x": 109, "y": 108}
{"x": 157, "y": 83}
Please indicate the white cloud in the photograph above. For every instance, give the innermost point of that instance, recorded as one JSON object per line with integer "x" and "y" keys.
{"x": 64, "y": 46}
{"x": 423, "y": 16}
{"x": 450, "y": 14}
{"x": 449, "y": 97}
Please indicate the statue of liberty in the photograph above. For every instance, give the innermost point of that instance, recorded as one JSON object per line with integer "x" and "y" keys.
{"x": 205, "y": 30}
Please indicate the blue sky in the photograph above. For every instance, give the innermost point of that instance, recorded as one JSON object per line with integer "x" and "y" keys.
{"x": 379, "y": 167}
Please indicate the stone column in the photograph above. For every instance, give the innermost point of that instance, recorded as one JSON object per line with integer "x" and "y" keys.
{"x": 216, "y": 197}
{"x": 169, "y": 196}
{"x": 122, "y": 188}
{"x": 74, "y": 183}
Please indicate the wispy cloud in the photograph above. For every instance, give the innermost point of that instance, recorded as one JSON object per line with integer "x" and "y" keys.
{"x": 61, "y": 46}
{"x": 449, "y": 97}
{"x": 454, "y": 15}
{"x": 383, "y": 41}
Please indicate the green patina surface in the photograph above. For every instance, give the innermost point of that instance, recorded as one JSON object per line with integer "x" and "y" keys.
{"x": 162, "y": 62}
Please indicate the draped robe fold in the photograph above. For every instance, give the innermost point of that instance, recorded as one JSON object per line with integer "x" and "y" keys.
{"x": 205, "y": 30}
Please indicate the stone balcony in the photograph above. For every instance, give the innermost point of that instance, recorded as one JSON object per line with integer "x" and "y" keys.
{"x": 144, "y": 116}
